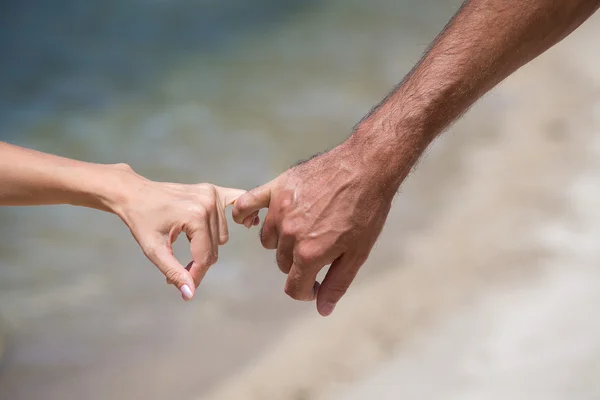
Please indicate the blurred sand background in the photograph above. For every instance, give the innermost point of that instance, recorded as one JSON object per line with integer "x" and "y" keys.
{"x": 484, "y": 282}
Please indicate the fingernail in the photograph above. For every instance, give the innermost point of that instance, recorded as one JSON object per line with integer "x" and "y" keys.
{"x": 327, "y": 309}
{"x": 255, "y": 221}
{"x": 316, "y": 287}
{"x": 186, "y": 293}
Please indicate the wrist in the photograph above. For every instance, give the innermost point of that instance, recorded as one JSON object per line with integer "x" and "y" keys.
{"x": 389, "y": 146}
{"x": 108, "y": 187}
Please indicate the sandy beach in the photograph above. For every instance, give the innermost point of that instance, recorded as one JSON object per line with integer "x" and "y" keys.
{"x": 497, "y": 298}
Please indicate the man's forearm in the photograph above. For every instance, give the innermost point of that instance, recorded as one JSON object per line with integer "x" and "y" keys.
{"x": 486, "y": 41}
{"x": 28, "y": 177}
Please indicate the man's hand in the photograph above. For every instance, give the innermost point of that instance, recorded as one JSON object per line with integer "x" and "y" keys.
{"x": 329, "y": 210}
{"x": 156, "y": 213}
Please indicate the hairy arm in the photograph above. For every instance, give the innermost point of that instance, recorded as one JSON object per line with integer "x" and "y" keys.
{"x": 331, "y": 209}
{"x": 485, "y": 42}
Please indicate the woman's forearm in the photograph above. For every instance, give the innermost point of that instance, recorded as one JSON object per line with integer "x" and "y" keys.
{"x": 155, "y": 212}
{"x": 29, "y": 177}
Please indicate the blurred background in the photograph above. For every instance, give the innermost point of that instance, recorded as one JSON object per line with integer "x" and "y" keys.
{"x": 484, "y": 283}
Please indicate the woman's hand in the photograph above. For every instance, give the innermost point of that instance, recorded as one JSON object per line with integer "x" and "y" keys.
{"x": 156, "y": 213}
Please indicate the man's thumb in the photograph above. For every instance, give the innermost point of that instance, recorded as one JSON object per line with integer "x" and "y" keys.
{"x": 251, "y": 202}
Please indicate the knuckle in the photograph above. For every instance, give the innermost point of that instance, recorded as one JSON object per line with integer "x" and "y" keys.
{"x": 288, "y": 228}
{"x": 306, "y": 254}
{"x": 210, "y": 207}
{"x": 207, "y": 188}
{"x": 208, "y": 259}
{"x": 212, "y": 190}
{"x": 337, "y": 290}
{"x": 287, "y": 200}
{"x": 238, "y": 217}
{"x": 150, "y": 250}
{"x": 242, "y": 202}
{"x": 123, "y": 167}
{"x": 173, "y": 276}
{"x": 200, "y": 212}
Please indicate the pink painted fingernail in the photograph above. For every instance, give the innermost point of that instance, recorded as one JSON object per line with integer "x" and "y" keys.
{"x": 186, "y": 293}
{"x": 327, "y": 309}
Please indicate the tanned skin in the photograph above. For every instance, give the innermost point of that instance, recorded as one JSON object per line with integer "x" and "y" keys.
{"x": 331, "y": 209}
